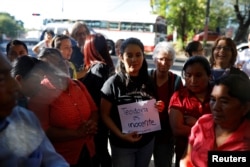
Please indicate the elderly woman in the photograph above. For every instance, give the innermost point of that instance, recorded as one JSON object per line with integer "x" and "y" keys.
{"x": 227, "y": 128}
{"x": 165, "y": 83}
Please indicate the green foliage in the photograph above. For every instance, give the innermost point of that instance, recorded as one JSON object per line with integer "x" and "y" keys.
{"x": 189, "y": 15}
{"x": 9, "y": 26}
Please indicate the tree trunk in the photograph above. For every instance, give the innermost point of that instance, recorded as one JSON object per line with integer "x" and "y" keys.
{"x": 244, "y": 22}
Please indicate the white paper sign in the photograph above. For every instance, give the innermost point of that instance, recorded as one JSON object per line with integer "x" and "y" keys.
{"x": 141, "y": 117}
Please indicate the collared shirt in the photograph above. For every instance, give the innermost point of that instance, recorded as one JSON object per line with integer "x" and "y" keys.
{"x": 24, "y": 144}
{"x": 202, "y": 139}
{"x": 68, "y": 111}
{"x": 187, "y": 103}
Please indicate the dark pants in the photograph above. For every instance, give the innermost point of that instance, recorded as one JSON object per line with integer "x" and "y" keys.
{"x": 84, "y": 160}
{"x": 102, "y": 157}
{"x": 180, "y": 148}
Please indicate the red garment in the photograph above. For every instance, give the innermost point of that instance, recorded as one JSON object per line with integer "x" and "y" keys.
{"x": 188, "y": 104}
{"x": 185, "y": 101}
{"x": 68, "y": 111}
{"x": 202, "y": 139}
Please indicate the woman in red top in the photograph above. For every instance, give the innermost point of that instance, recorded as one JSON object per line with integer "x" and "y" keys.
{"x": 190, "y": 102}
{"x": 227, "y": 128}
{"x": 72, "y": 115}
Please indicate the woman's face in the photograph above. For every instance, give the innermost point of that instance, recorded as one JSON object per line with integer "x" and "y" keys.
{"x": 30, "y": 85}
{"x": 222, "y": 55}
{"x": 66, "y": 49}
{"x": 117, "y": 47}
{"x": 132, "y": 59}
{"x": 17, "y": 51}
{"x": 164, "y": 61}
{"x": 48, "y": 36}
{"x": 196, "y": 78}
{"x": 81, "y": 34}
{"x": 8, "y": 88}
{"x": 227, "y": 111}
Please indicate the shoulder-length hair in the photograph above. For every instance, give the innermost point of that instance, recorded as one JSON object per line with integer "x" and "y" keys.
{"x": 96, "y": 50}
{"x": 76, "y": 26}
{"x": 230, "y": 43}
{"x": 57, "y": 40}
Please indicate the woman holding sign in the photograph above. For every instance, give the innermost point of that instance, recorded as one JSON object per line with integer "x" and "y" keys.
{"x": 165, "y": 83}
{"x": 122, "y": 96}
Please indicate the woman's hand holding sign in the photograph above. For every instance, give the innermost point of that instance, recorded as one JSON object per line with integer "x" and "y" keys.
{"x": 131, "y": 137}
{"x": 160, "y": 105}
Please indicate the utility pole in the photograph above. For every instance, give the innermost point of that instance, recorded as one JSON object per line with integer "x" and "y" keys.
{"x": 206, "y": 23}
{"x": 62, "y": 7}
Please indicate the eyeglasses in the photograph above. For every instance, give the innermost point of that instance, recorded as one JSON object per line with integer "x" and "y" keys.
{"x": 82, "y": 33}
{"x": 226, "y": 48}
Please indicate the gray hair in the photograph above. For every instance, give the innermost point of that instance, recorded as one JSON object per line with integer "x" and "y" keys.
{"x": 165, "y": 47}
{"x": 75, "y": 27}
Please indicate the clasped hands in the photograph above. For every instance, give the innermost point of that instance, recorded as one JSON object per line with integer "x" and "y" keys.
{"x": 87, "y": 128}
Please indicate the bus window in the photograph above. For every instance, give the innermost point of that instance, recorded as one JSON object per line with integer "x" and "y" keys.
{"x": 96, "y": 24}
{"x": 137, "y": 27}
{"x": 88, "y": 22}
{"x": 148, "y": 27}
{"x": 103, "y": 24}
{"x": 114, "y": 25}
{"x": 126, "y": 26}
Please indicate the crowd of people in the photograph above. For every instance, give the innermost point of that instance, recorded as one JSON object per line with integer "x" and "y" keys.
{"x": 62, "y": 107}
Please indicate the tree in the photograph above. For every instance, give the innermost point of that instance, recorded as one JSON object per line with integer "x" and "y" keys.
{"x": 244, "y": 22}
{"x": 189, "y": 15}
{"x": 9, "y": 26}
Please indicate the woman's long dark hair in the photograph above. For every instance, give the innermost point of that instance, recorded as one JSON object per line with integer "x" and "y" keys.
{"x": 143, "y": 73}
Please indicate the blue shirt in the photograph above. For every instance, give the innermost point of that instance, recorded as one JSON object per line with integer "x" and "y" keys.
{"x": 23, "y": 143}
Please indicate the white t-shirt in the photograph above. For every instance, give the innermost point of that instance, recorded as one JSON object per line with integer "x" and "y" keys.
{"x": 243, "y": 56}
{"x": 244, "y": 59}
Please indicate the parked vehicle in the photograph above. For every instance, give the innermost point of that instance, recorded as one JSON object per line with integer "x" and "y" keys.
{"x": 211, "y": 36}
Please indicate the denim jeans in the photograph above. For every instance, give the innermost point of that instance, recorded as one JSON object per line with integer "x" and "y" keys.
{"x": 132, "y": 157}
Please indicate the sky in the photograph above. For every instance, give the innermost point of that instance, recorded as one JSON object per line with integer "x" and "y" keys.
{"x": 23, "y": 9}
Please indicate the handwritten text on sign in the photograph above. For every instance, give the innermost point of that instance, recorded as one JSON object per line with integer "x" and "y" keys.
{"x": 141, "y": 117}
